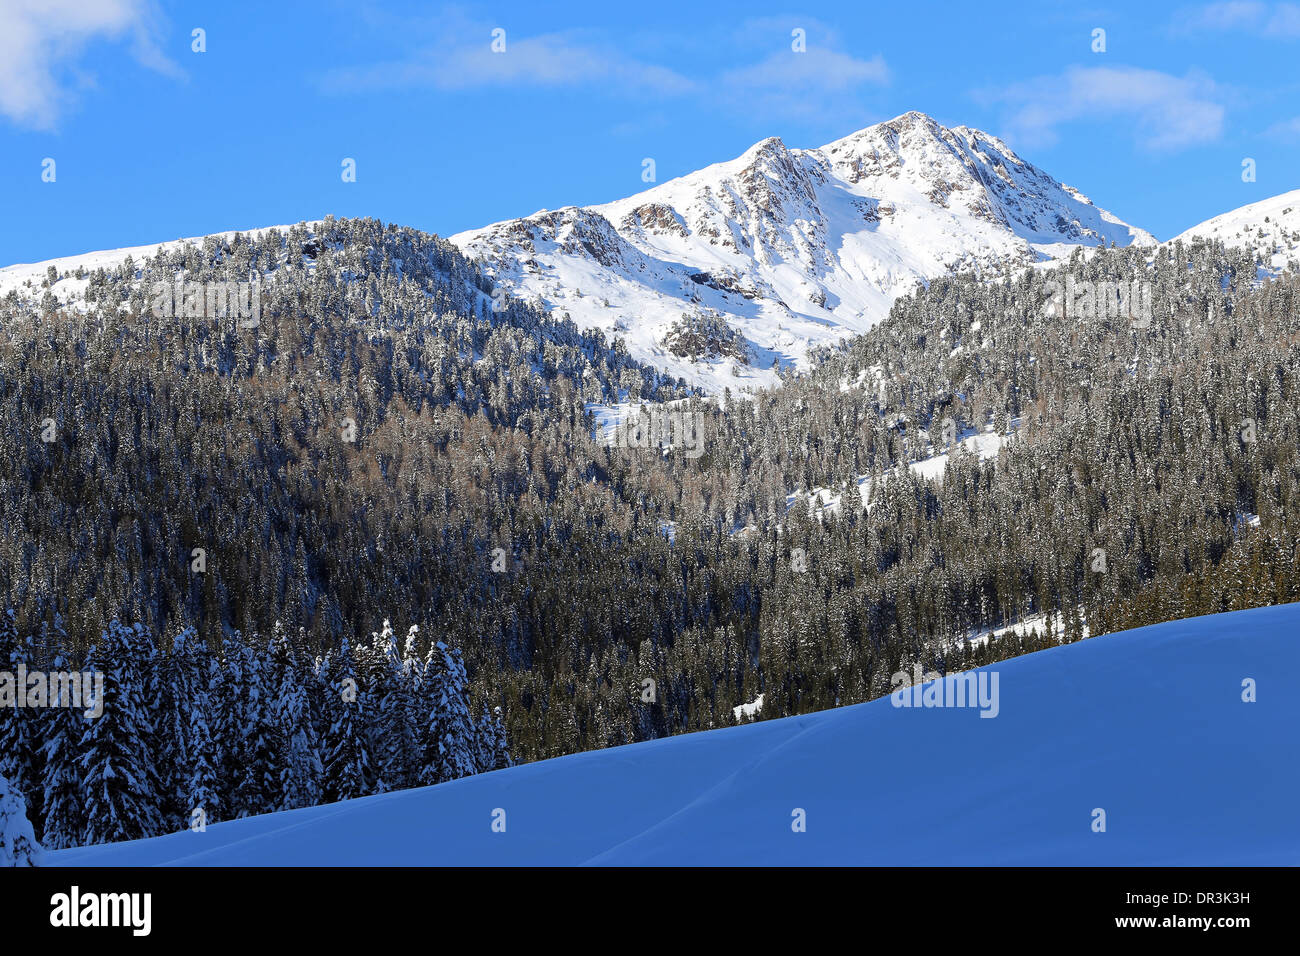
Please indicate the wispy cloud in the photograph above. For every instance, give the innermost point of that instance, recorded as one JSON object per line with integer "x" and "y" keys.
{"x": 1167, "y": 112}
{"x": 1250, "y": 16}
{"x": 796, "y": 84}
{"x": 776, "y": 80}
{"x": 41, "y": 43}
{"x": 1288, "y": 130}
{"x": 802, "y": 71}
{"x": 569, "y": 58}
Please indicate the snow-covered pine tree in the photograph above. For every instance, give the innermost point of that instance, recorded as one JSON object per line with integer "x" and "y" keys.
{"x": 118, "y": 783}
{"x": 373, "y": 686}
{"x": 411, "y": 661}
{"x": 265, "y": 745}
{"x": 405, "y": 665}
{"x": 228, "y": 722}
{"x": 19, "y": 751}
{"x": 18, "y": 846}
{"x": 142, "y": 673}
{"x": 63, "y": 817}
{"x": 200, "y": 787}
{"x": 288, "y": 680}
{"x": 346, "y": 759}
{"x": 388, "y": 693}
{"x": 319, "y": 693}
{"x": 196, "y": 781}
{"x": 449, "y": 747}
{"x": 491, "y": 752}
{"x": 175, "y": 691}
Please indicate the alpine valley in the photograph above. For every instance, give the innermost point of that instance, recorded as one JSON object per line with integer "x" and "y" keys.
{"x": 383, "y": 468}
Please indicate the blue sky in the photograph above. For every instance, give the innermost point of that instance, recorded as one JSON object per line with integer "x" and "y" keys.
{"x": 153, "y": 141}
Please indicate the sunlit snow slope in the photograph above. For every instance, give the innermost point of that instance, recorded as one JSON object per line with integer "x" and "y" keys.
{"x": 1148, "y": 725}
{"x": 1270, "y": 226}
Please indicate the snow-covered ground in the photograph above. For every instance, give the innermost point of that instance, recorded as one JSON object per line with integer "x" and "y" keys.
{"x": 1034, "y": 623}
{"x": 1148, "y": 726}
{"x": 986, "y": 445}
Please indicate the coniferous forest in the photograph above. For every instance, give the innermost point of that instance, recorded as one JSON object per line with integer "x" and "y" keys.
{"x": 223, "y": 519}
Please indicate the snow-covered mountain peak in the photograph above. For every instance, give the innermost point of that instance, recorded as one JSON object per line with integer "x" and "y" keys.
{"x": 791, "y": 248}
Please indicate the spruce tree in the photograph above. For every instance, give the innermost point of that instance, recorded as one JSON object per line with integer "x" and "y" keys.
{"x": 346, "y": 758}
{"x": 197, "y": 786}
{"x": 63, "y": 726}
{"x": 117, "y": 781}
{"x": 19, "y": 733}
{"x": 18, "y": 846}
{"x": 450, "y": 741}
{"x": 288, "y": 679}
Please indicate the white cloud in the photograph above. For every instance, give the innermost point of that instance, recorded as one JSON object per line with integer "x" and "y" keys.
{"x": 1253, "y": 16}
{"x": 817, "y": 83}
{"x": 548, "y": 60}
{"x": 41, "y": 40}
{"x": 822, "y": 82}
{"x": 1285, "y": 130}
{"x": 811, "y": 72}
{"x": 1167, "y": 112}
{"x": 1285, "y": 20}
{"x": 785, "y": 83}
{"x": 1233, "y": 15}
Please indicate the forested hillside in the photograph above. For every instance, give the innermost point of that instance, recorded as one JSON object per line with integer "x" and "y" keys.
{"x": 390, "y": 440}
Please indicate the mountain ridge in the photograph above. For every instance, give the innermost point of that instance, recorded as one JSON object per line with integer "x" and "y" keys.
{"x": 1269, "y": 226}
{"x": 782, "y": 250}
{"x": 793, "y": 247}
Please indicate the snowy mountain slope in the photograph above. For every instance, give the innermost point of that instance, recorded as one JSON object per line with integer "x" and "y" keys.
{"x": 1271, "y": 226}
{"x": 793, "y": 247}
{"x": 26, "y": 278}
{"x": 1148, "y": 725}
